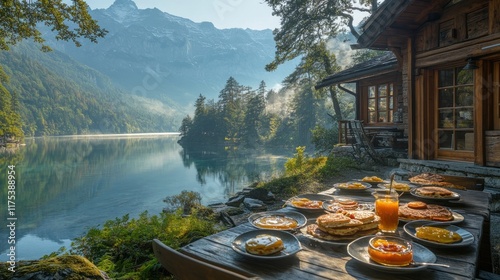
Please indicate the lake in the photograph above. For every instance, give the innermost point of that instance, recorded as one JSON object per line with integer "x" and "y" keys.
{"x": 65, "y": 185}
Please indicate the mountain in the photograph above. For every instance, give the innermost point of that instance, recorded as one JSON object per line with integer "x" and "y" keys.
{"x": 157, "y": 55}
{"x": 57, "y": 95}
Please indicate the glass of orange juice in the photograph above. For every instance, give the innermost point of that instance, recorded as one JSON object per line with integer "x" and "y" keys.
{"x": 387, "y": 208}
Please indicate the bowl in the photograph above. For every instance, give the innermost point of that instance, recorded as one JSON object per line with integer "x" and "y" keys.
{"x": 390, "y": 250}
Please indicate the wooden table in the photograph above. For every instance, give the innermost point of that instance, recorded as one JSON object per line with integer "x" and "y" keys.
{"x": 319, "y": 261}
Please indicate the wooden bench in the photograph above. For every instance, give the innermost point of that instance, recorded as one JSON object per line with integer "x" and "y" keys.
{"x": 184, "y": 267}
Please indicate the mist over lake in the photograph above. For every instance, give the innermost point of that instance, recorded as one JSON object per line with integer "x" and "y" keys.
{"x": 65, "y": 185}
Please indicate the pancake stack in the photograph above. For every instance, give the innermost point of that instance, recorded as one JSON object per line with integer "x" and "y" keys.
{"x": 347, "y": 225}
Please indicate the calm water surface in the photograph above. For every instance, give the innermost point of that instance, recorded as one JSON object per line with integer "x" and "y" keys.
{"x": 65, "y": 185}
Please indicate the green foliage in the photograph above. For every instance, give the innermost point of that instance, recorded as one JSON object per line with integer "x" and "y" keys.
{"x": 122, "y": 247}
{"x": 21, "y": 19}
{"x": 304, "y": 165}
{"x": 303, "y": 173}
{"x": 324, "y": 139}
{"x": 335, "y": 165}
{"x": 10, "y": 119}
{"x": 184, "y": 200}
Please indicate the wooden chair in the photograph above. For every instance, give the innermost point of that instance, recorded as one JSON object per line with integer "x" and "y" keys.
{"x": 363, "y": 142}
{"x": 183, "y": 266}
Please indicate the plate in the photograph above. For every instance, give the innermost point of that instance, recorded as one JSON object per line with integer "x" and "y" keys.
{"x": 298, "y": 217}
{"x": 343, "y": 186}
{"x": 341, "y": 242}
{"x": 310, "y": 196}
{"x": 455, "y": 196}
{"x": 411, "y": 230}
{"x": 373, "y": 182}
{"x": 322, "y": 241}
{"x": 333, "y": 206}
{"x": 358, "y": 250}
{"x": 386, "y": 186}
{"x": 292, "y": 244}
{"x": 457, "y": 218}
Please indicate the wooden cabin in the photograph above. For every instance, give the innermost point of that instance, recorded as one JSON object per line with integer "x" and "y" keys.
{"x": 444, "y": 90}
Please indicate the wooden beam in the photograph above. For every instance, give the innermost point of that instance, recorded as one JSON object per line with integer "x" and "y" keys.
{"x": 475, "y": 48}
{"x": 410, "y": 87}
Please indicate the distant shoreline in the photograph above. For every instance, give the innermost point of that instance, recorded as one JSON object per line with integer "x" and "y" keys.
{"x": 115, "y": 135}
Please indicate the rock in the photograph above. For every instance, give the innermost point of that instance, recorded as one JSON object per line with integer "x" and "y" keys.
{"x": 61, "y": 267}
{"x": 235, "y": 201}
{"x": 259, "y": 193}
{"x": 254, "y": 204}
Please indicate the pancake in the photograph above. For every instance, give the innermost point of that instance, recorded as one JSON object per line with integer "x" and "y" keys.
{"x": 363, "y": 216}
{"x": 340, "y": 230}
{"x": 316, "y": 232}
{"x": 433, "y": 191}
{"x": 430, "y": 212}
{"x": 333, "y": 220}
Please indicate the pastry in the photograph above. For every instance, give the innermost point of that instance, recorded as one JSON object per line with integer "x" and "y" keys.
{"x": 264, "y": 244}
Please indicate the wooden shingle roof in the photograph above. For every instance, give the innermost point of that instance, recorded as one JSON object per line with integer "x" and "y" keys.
{"x": 385, "y": 63}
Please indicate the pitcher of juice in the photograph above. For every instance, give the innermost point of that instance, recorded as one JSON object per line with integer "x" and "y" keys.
{"x": 387, "y": 208}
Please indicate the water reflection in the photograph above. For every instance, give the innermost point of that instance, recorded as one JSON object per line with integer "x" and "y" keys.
{"x": 65, "y": 185}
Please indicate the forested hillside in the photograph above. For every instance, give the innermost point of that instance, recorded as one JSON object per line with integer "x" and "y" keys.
{"x": 59, "y": 96}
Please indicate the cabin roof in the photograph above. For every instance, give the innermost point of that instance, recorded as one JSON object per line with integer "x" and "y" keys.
{"x": 385, "y": 63}
{"x": 390, "y": 25}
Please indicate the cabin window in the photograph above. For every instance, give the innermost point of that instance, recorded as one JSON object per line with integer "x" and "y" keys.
{"x": 380, "y": 103}
{"x": 455, "y": 110}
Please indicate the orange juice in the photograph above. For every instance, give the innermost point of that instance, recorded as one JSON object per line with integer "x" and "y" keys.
{"x": 387, "y": 209}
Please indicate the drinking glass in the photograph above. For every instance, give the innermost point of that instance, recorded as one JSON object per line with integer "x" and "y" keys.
{"x": 387, "y": 208}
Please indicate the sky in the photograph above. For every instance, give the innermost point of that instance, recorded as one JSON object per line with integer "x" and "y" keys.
{"x": 253, "y": 14}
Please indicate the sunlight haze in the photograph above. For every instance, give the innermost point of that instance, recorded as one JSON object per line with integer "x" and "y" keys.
{"x": 222, "y": 13}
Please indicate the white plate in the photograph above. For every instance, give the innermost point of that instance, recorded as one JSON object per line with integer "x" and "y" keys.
{"x": 411, "y": 230}
{"x": 358, "y": 250}
{"x": 291, "y": 243}
{"x": 457, "y": 218}
{"x": 386, "y": 186}
{"x": 342, "y": 186}
{"x": 455, "y": 196}
{"x": 372, "y": 182}
{"x": 332, "y": 206}
{"x": 300, "y": 218}
{"x": 310, "y": 196}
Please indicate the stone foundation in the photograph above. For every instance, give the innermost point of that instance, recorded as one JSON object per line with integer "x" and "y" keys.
{"x": 491, "y": 175}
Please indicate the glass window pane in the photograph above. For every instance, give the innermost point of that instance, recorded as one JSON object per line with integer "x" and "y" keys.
{"x": 464, "y": 77}
{"x": 445, "y": 98}
{"x": 465, "y": 118}
{"x": 382, "y": 103}
{"x": 371, "y": 105}
{"x": 382, "y": 117}
{"x": 446, "y": 78}
{"x": 371, "y": 92}
{"x": 372, "y": 117}
{"x": 382, "y": 90}
{"x": 465, "y": 96}
{"x": 391, "y": 102}
{"x": 445, "y": 140}
{"x": 445, "y": 118}
{"x": 391, "y": 89}
{"x": 464, "y": 140}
